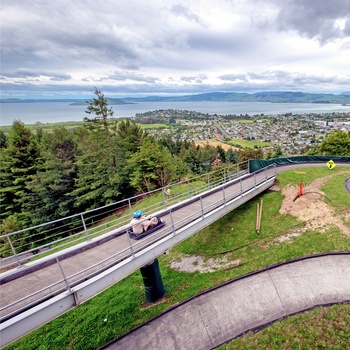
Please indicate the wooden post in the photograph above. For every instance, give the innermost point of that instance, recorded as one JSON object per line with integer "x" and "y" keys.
{"x": 258, "y": 216}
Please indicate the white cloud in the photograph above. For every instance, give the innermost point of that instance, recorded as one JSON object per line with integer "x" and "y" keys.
{"x": 192, "y": 46}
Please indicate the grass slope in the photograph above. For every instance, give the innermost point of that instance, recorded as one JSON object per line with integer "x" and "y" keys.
{"x": 122, "y": 306}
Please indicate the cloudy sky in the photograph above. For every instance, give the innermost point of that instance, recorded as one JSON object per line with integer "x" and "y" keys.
{"x": 64, "y": 48}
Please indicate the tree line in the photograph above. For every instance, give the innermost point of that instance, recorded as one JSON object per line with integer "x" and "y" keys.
{"x": 50, "y": 175}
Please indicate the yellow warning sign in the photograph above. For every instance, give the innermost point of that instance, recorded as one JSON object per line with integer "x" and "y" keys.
{"x": 330, "y": 164}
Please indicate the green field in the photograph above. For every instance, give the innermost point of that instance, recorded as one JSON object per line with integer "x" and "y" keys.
{"x": 153, "y": 126}
{"x": 45, "y": 126}
{"x": 249, "y": 144}
{"x": 123, "y": 306}
{"x": 72, "y": 125}
{"x": 250, "y": 121}
{"x": 246, "y": 121}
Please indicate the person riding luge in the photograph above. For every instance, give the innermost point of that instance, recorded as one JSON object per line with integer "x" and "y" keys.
{"x": 140, "y": 223}
{"x": 142, "y": 226}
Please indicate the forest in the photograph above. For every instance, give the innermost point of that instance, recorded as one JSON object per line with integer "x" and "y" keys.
{"x": 46, "y": 176}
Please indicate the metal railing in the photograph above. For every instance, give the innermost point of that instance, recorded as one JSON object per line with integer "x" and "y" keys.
{"x": 207, "y": 198}
{"x": 25, "y": 245}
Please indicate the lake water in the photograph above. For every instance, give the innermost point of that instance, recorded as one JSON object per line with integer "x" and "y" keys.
{"x": 49, "y": 112}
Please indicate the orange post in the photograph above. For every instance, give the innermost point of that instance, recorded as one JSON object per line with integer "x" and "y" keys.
{"x": 300, "y": 189}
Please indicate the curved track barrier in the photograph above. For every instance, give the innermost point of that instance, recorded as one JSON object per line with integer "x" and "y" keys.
{"x": 256, "y": 164}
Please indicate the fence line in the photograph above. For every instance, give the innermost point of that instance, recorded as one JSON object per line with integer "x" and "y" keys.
{"x": 21, "y": 246}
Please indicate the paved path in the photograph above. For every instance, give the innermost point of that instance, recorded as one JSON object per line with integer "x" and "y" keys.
{"x": 246, "y": 303}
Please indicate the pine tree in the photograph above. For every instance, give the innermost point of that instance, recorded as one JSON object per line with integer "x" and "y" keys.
{"x": 98, "y": 180}
{"x": 55, "y": 178}
{"x": 19, "y": 161}
{"x": 98, "y": 106}
{"x": 153, "y": 166}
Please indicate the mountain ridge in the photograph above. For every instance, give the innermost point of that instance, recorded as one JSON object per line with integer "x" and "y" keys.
{"x": 269, "y": 96}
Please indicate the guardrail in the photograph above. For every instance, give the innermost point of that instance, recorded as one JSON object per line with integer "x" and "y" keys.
{"x": 22, "y": 246}
{"x": 70, "y": 289}
{"x": 128, "y": 248}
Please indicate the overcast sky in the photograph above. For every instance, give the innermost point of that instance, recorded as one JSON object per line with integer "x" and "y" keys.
{"x": 63, "y": 48}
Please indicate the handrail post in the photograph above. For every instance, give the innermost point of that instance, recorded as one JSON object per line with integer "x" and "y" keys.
{"x": 189, "y": 188}
{"x": 202, "y": 208}
{"x": 163, "y": 197}
{"x": 64, "y": 276}
{"x": 130, "y": 209}
{"x": 85, "y": 229}
{"x": 223, "y": 193}
{"x": 254, "y": 180}
{"x": 208, "y": 181}
{"x": 172, "y": 221}
{"x": 13, "y": 251}
{"x": 240, "y": 181}
{"x": 130, "y": 244}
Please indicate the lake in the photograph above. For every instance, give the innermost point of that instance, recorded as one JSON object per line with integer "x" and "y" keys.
{"x": 52, "y": 112}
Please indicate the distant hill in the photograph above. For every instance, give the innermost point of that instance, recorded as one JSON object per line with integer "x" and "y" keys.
{"x": 271, "y": 96}
{"x": 110, "y": 101}
{"x": 72, "y": 102}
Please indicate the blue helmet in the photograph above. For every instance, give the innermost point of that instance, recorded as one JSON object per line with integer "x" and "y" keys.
{"x": 137, "y": 214}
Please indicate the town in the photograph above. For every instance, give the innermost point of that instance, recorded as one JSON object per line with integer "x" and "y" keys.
{"x": 295, "y": 134}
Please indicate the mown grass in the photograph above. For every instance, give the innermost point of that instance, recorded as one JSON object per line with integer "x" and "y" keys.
{"x": 321, "y": 328}
{"x": 71, "y": 125}
{"x": 248, "y": 144}
{"x": 121, "y": 307}
{"x": 154, "y": 126}
{"x": 245, "y": 121}
{"x": 49, "y": 127}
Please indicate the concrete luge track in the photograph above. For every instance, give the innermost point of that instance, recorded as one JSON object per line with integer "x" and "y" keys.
{"x": 246, "y": 303}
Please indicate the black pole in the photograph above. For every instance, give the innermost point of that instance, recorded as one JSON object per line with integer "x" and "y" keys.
{"x": 152, "y": 279}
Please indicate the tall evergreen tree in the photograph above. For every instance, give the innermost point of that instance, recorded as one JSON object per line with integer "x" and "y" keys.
{"x": 231, "y": 156}
{"x": 55, "y": 179}
{"x": 3, "y": 140}
{"x": 98, "y": 179}
{"x": 129, "y": 137}
{"x": 98, "y": 169}
{"x": 98, "y": 107}
{"x": 19, "y": 162}
{"x": 153, "y": 166}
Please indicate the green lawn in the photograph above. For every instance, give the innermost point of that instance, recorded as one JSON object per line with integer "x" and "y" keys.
{"x": 121, "y": 307}
{"x": 45, "y": 126}
{"x": 154, "y": 126}
{"x": 249, "y": 144}
{"x": 245, "y": 121}
{"x": 321, "y": 328}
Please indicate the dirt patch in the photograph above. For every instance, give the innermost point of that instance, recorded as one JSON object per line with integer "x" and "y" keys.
{"x": 214, "y": 143}
{"x": 311, "y": 207}
{"x": 193, "y": 263}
